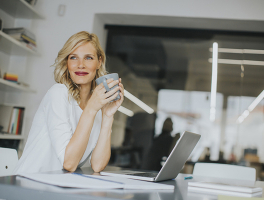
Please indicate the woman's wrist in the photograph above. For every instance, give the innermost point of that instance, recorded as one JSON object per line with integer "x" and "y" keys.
{"x": 111, "y": 116}
{"x": 90, "y": 111}
{"x": 108, "y": 118}
{"x": 107, "y": 121}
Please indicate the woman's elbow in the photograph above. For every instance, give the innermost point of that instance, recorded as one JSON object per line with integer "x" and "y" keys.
{"x": 69, "y": 167}
{"x": 97, "y": 168}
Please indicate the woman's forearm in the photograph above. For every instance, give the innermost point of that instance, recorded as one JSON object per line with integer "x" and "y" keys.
{"x": 102, "y": 152}
{"x": 78, "y": 143}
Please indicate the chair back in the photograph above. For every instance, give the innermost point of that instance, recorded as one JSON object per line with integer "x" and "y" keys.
{"x": 226, "y": 171}
{"x": 8, "y": 161}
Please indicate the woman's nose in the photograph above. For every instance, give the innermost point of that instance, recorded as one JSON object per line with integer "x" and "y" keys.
{"x": 81, "y": 64}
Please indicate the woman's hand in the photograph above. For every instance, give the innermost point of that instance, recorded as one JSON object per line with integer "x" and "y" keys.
{"x": 100, "y": 97}
{"x": 110, "y": 108}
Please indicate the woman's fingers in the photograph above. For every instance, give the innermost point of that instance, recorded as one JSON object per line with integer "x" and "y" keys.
{"x": 120, "y": 101}
{"x": 121, "y": 88}
{"x": 111, "y": 97}
{"x": 112, "y": 83}
{"x": 105, "y": 96}
{"x": 100, "y": 87}
{"x": 111, "y": 92}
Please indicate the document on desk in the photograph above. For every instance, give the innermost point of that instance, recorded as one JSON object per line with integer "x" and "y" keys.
{"x": 136, "y": 184}
{"x": 94, "y": 182}
{"x": 221, "y": 197}
{"x": 72, "y": 181}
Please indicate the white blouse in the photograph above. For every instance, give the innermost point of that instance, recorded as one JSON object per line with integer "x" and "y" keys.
{"x": 53, "y": 126}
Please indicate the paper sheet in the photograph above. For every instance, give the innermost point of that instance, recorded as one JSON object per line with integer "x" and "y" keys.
{"x": 94, "y": 182}
{"x": 137, "y": 184}
{"x": 220, "y": 197}
{"x": 73, "y": 181}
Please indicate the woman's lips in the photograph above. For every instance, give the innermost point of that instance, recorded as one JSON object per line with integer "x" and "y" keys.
{"x": 81, "y": 73}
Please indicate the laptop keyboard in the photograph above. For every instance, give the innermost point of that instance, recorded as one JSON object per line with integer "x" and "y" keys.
{"x": 146, "y": 174}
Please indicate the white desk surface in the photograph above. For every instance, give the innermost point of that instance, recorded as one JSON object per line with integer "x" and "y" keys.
{"x": 14, "y": 187}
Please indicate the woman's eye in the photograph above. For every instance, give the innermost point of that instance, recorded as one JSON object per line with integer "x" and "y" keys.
{"x": 72, "y": 57}
{"x": 89, "y": 58}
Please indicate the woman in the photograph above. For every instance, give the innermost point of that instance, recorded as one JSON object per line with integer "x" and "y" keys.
{"x": 74, "y": 120}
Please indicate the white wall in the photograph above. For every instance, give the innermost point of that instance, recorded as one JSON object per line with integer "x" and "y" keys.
{"x": 53, "y": 32}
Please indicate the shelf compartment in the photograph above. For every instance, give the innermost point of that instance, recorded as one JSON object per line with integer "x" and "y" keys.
{"x": 11, "y": 137}
{"x": 9, "y": 86}
{"x": 20, "y": 9}
{"x": 12, "y": 46}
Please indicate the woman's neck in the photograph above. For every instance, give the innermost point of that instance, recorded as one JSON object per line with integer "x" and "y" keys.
{"x": 85, "y": 93}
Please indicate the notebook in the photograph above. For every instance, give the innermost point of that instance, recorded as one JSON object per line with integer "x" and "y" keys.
{"x": 171, "y": 167}
{"x": 219, "y": 188}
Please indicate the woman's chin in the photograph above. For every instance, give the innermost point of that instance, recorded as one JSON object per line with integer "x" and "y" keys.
{"x": 82, "y": 82}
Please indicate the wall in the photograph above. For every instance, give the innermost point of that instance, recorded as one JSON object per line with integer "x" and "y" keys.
{"x": 80, "y": 15}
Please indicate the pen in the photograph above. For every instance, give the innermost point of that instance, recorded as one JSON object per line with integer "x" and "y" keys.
{"x": 188, "y": 177}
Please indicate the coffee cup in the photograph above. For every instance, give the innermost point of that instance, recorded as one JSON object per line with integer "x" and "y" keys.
{"x": 103, "y": 79}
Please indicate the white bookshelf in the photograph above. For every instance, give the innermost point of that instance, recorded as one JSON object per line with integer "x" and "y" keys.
{"x": 12, "y": 46}
{"x": 20, "y": 9}
{"x": 8, "y": 86}
{"x": 11, "y": 137}
{"x": 12, "y": 51}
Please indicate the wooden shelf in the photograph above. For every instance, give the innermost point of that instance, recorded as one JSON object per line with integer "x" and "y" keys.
{"x": 10, "y": 87}
{"x": 12, "y": 46}
{"x": 11, "y": 137}
{"x": 20, "y": 9}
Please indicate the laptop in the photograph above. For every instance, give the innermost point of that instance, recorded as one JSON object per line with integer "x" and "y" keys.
{"x": 171, "y": 167}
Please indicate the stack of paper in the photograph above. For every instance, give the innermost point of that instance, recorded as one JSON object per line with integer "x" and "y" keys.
{"x": 220, "y": 197}
{"x": 94, "y": 182}
{"x": 225, "y": 189}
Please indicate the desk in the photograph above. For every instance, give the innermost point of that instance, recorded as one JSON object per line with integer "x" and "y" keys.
{"x": 18, "y": 188}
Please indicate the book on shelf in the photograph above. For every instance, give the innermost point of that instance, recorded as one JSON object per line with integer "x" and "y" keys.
{"x": 23, "y": 35}
{"x": 11, "y": 119}
{"x": 27, "y": 39}
{"x": 29, "y": 45}
{"x": 5, "y": 117}
{"x": 1, "y": 24}
{"x": 19, "y": 31}
{"x": 11, "y": 77}
{"x": 15, "y": 121}
{"x": 31, "y": 2}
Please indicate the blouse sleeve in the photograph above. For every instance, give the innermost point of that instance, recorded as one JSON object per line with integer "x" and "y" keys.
{"x": 57, "y": 115}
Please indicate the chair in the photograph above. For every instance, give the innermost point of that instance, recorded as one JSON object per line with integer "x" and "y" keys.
{"x": 226, "y": 171}
{"x": 8, "y": 161}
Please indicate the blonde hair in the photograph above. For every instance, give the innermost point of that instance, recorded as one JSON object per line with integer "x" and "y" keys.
{"x": 61, "y": 72}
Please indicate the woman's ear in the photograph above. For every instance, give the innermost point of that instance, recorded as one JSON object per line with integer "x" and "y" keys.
{"x": 100, "y": 63}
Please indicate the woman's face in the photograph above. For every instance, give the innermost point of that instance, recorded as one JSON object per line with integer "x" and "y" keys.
{"x": 83, "y": 63}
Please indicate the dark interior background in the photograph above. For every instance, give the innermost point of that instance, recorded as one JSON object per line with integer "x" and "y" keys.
{"x": 174, "y": 58}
